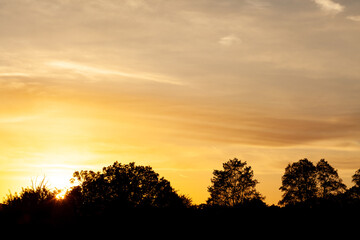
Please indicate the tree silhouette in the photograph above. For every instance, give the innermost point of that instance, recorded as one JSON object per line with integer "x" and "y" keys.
{"x": 312, "y": 185}
{"x": 234, "y": 185}
{"x": 329, "y": 183}
{"x": 356, "y": 178}
{"x": 299, "y": 183}
{"x": 124, "y": 186}
{"x": 354, "y": 192}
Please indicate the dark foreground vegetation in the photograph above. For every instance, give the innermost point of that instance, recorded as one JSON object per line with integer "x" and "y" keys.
{"x": 130, "y": 195}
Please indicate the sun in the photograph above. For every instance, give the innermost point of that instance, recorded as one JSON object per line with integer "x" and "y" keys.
{"x": 61, "y": 195}
{"x": 58, "y": 166}
{"x": 59, "y": 178}
{"x": 60, "y": 182}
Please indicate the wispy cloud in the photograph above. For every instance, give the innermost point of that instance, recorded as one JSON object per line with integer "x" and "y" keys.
{"x": 18, "y": 119}
{"x": 14, "y": 74}
{"x": 229, "y": 40}
{"x": 258, "y": 4}
{"x": 258, "y": 129}
{"x": 330, "y": 6}
{"x": 354, "y": 18}
{"x": 94, "y": 71}
{"x": 137, "y": 4}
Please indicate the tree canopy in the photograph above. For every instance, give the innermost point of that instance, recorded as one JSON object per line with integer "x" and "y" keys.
{"x": 304, "y": 182}
{"x": 356, "y": 178}
{"x": 298, "y": 182}
{"x": 354, "y": 192}
{"x": 329, "y": 182}
{"x": 125, "y": 185}
{"x": 234, "y": 185}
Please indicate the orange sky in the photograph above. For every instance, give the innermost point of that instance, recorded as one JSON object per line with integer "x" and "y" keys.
{"x": 182, "y": 86}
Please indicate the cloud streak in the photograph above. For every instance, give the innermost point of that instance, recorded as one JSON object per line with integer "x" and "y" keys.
{"x": 354, "y": 18}
{"x": 272, "y": 132}
{"x": 95, "y": 71}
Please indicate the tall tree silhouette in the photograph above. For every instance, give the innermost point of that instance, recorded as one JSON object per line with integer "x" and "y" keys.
{"x": 298, "y": 183}
{"x": 354, "y": 192}
{"x": 329, "y": 182}
{"x": 234, "y": 185}
{"x": 356, "y": 178}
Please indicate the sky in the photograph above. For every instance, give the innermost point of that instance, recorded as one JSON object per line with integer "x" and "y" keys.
{"x": 180, "y": 85}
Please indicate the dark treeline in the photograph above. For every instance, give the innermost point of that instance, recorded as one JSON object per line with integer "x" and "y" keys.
{"x": 131, "y": 193}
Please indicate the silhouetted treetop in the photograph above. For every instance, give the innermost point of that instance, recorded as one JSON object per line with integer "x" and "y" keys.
{"x": 299, "y": 182}
{"x": 329, "y": 182}
{"x": 303, "y": 182}
{"x": 356, "y": 178}
{"x": 234, "y": 185}
{"x": 125, "y": 185}
{"x": 354, "y": 192}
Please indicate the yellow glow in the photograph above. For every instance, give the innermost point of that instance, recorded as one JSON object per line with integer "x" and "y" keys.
{"x": 61, "y": 194}
{"x": 58, "y": 166}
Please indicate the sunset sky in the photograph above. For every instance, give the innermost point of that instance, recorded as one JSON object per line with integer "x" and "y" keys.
{"x": 180, "y": 85}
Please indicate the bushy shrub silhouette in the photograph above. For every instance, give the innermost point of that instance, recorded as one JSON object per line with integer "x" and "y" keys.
{"x": 36, "y": 196}
{"x": 33, "y": 204}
